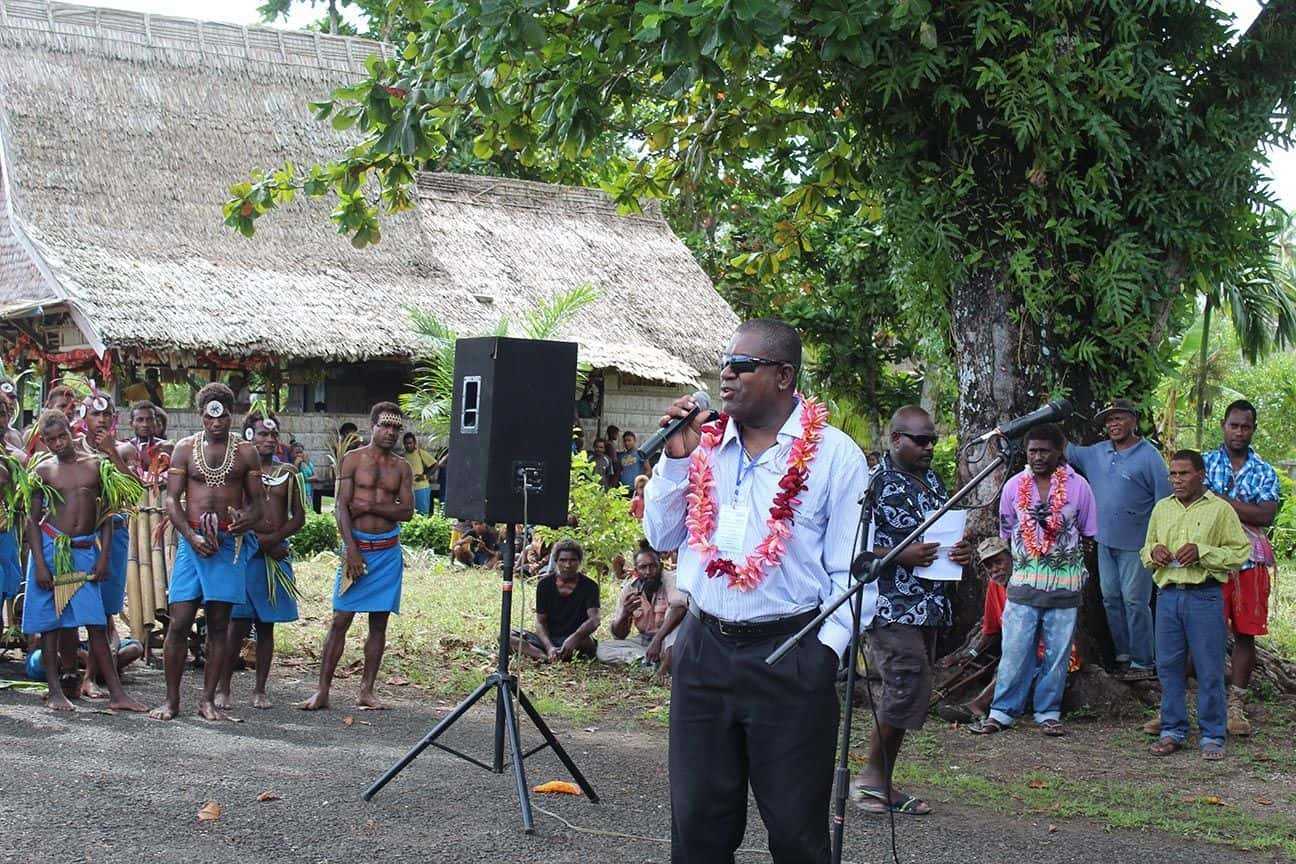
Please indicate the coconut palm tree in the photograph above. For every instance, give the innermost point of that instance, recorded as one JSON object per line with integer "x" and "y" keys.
{"x": 1261, "y": 303}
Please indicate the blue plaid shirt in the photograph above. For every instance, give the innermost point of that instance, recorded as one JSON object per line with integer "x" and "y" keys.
{"x": 1255, "y": 483}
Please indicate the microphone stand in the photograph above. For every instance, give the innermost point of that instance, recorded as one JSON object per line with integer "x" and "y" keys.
{"x": 853, "y": 595}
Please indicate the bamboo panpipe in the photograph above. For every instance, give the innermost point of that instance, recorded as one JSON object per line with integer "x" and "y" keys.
{"x": 134, "y": 602}
{"x": 160, "y": 580}
{"x": 155, "y": 562}
{"x": 143, "y": 561}
{"x": 65, "y": 586}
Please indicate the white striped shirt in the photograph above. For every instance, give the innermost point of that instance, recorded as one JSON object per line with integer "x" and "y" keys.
{"x": 817, "y": 563}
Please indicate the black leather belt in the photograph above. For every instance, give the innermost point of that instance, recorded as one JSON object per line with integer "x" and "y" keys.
{"x": 754, "y": 629}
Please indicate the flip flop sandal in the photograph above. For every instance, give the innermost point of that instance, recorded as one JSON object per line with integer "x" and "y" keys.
{"x": 986, "y": 726}
{"x": 1053, "y": 729}
{"x": 956, "y": 713}
{"x": 1212, "y": 752}
{"x": 1165, "y": 747}
{"x": 874, "y": 801}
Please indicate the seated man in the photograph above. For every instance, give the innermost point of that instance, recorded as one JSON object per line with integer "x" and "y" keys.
{"x": 567, "y": 610}
{"x": 996, "y": 559}
{"x": 651, "y": 607}
{"x": 478, "y": 547}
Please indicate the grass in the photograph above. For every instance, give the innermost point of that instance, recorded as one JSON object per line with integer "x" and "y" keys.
{"x": 1132, "y": 805}
{"x": 443, "y": 645}
{"x": 444, "y": 642}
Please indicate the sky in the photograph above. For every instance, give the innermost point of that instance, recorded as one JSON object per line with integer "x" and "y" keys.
{"x": 1282, "y": 166}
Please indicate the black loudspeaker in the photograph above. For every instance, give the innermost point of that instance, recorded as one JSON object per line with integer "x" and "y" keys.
{"x": 510, "y": 425}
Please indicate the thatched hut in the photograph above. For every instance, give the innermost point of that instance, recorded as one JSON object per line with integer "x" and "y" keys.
{"x": 120, "y": 134}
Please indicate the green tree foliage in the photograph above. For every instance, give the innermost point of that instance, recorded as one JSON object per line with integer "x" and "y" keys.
{"x": 1054, "y": 174}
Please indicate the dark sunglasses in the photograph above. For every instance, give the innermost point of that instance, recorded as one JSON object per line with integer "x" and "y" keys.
{"x": 741, "y": 364}
{"x": 921, "y": 440}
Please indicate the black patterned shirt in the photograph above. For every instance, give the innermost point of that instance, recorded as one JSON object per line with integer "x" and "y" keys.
{"x": 903, "y": 501}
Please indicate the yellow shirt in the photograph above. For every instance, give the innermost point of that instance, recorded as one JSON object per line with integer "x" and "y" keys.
{"x": 420, "y": 461}
{"x": 1210, "y": 523}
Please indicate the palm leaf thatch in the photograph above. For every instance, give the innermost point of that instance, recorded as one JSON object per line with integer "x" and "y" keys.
{"x": 123, "y": 132}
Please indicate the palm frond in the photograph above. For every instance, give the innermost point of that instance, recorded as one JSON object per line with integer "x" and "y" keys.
{"x": 544, "y": 321}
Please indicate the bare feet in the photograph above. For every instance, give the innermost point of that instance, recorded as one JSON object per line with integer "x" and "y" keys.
{"x": 369, "y": 700}
{"x": 91, "y": 690}
{"x": 318, "y": 702}
{"x": 209, "y": 711}
{"x": 58, "y": 702}
{"x": 223, "y": 701}
{"x": 126, "y": 703}
{"x": 261, "y": 700}
{"x": 164, "y": 712}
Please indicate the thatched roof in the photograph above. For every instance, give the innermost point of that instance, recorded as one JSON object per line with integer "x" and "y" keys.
{"x": 121, "y": 133}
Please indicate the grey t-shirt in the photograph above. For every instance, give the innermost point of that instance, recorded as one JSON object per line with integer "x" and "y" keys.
{"x": 1126, "y": 486}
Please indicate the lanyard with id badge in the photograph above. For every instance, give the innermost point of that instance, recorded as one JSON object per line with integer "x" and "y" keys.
{"x": 731, "y": 528}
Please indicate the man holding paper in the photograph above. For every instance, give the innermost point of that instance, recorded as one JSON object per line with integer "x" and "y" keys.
{"x": 910, "y": 608}
{"x": 1044, "y": 512}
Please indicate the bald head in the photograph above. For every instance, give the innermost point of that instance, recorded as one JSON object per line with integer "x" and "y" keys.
{"x": 913, "y": 439}
{"x": 909, "y": 416}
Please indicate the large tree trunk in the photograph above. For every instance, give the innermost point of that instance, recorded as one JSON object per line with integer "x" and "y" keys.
{"x": 1000, "y": 367}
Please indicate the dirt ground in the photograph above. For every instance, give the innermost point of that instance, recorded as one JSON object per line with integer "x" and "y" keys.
{"x": 92, "y": 787}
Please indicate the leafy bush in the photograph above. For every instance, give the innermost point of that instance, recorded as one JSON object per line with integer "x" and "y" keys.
{"x": 318, "y": 534}
{"x": 606, "y": 527}
{"x": 427, "y": 532}
{"x": 1284, "y": 532}
{"x": 945, "y": 460}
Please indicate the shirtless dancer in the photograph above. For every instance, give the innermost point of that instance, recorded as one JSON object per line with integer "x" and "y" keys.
{"x": 375, "y": 494}
{"x": 75, "y": 476}
{"x": 99, "y": 418}
{"x": 283, "y": 511}
{"x": 211, "y": 479}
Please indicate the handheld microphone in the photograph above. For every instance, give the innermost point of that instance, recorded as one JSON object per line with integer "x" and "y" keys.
{"x": 658, "y": 439}
{"x": 1058, "y": 409}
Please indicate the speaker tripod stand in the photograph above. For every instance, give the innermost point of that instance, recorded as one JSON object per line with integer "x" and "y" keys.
{"x": 505, "y": 686}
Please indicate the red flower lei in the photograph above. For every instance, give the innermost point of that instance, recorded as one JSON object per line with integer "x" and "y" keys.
{"x": 1037, "y": 546}
{"x": 702, "y": 507}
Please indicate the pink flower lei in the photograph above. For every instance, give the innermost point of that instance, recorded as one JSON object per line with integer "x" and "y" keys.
{"x": 702, "y": 506}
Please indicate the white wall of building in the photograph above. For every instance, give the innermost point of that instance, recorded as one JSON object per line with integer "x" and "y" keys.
{"x": 639, "y": 407}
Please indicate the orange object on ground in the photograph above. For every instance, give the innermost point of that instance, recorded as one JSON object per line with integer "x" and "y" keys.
{"x": 557, "y": 787}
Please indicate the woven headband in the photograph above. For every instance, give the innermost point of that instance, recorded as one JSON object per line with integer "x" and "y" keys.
{"x": 388, "y": 417}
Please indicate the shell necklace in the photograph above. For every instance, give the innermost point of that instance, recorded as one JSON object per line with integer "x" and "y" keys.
{"x": 218, "y": 475}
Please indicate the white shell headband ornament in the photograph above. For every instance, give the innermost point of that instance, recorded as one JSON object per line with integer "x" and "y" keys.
{"x": 7, "y": 388}
{"x": 214, "y": 409}
{"x": 99, "y": 404}
{"x": 268, "y": 422}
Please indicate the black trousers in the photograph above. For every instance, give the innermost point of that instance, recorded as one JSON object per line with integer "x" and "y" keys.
{"x": 735, "y": 720}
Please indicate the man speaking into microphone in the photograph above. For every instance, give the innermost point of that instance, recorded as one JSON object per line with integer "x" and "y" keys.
{"x": 762, "y": 504}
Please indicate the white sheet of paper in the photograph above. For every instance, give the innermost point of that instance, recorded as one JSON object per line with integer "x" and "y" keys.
{"x": 947, "y": 531}
{"x": 731, "y": 532}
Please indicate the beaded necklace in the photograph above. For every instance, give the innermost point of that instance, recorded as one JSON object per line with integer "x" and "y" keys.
{"x": 218, "y": 475}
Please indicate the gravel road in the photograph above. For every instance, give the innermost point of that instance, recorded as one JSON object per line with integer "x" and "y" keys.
{"x": 92, "y": 788}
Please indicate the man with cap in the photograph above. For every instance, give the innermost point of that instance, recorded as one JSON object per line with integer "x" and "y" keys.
{"x": 1128, "y": 476}
{"x": 995, "y": 558}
